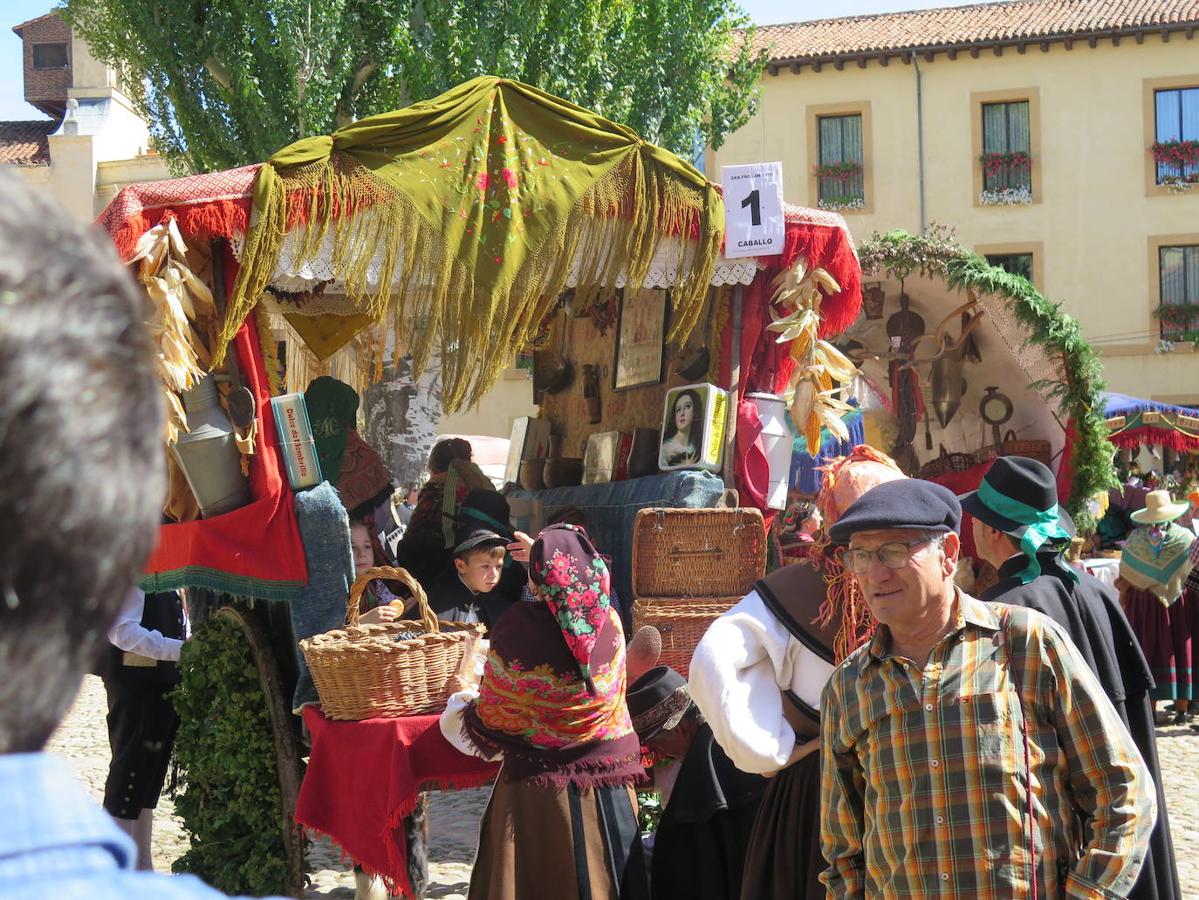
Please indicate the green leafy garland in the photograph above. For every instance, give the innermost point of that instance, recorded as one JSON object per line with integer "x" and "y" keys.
{"x": 231, "y": 802}
{"x": 936, "y": 255}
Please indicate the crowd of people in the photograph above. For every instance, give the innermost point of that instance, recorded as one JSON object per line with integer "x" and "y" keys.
{"x": 857, "y": 726}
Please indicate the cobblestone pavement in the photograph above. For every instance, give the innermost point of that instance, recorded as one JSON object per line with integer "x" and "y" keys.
{"x": 454, "y": 816}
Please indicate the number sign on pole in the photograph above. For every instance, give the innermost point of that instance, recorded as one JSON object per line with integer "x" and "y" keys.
{"x": 753, "y": 209}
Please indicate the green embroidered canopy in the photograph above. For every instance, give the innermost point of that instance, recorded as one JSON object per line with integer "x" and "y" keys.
{"x": 460, "y": 219}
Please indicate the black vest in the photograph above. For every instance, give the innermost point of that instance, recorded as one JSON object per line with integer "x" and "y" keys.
{"x": 163, "y": 613}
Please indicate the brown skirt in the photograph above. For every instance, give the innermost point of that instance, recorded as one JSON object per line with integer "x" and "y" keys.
{"x": 783, "y": 861}
{"x": 548, "y": 843}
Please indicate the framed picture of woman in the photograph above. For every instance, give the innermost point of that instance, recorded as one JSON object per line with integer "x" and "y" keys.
{"x": 682, "y": 430}
{"x": 640, "y": 338}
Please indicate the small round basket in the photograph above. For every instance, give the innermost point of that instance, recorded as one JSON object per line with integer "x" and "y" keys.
{"x": 387, "y": 670}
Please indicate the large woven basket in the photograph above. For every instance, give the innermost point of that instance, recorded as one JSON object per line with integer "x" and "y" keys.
{"x": 681, "y": 621}
{"x": 387, "y": 670}
{"x": 1011, "y": 446}
{"x": 697, "y": 552}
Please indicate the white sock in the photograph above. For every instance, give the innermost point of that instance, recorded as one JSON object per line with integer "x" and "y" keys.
{"x": 143, "y": 833}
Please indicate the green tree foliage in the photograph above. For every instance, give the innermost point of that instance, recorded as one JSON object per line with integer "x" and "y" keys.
{"x": 229, "y": 82}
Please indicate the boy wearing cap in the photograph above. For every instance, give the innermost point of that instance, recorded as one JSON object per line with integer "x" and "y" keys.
{"x": 1019, "y": 529}
{"x": 465, "y": 593}
{"x": 966, "y": 743}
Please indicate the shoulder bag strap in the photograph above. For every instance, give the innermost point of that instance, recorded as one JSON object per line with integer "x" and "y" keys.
{"x": 1015, "y": 673}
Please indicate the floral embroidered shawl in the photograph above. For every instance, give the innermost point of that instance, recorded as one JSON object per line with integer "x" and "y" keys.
{"x": 552, "y": 697}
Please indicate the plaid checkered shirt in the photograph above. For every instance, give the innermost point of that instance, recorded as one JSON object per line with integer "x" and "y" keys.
{"x": 924, "y": 785}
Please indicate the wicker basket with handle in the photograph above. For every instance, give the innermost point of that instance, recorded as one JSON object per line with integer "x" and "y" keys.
{"x": 391, "y": 669}
{"x": 681, "y": 621}
{"x": 697, "y": 552}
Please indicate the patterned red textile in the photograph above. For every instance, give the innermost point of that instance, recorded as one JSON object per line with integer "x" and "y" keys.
{"x": 1152, "y": 436}
{"x": 254, "y": 551}
{"x": 766, "y": 365}
{"x": 206, "y": 206}
{"x": 1065, "y": 469}
{"x": 363, "y": 779}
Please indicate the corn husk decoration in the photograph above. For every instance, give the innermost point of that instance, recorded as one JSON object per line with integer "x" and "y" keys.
{"x": 820, "y": 368}
{"x": 180, "y": 299}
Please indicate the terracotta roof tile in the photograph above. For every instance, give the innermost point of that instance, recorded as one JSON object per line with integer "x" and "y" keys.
{"x": 19, "y": 28}
{"x": 984, "y": 23}
{"x": 26, "y": 143}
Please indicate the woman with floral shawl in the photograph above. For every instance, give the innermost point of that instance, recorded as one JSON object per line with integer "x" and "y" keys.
{"x": 1154, "y": 566}
{"x": 562, "y": 820}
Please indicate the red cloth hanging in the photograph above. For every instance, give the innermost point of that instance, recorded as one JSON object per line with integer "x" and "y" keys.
{"x": 1152, "y": 436}
{"x": 254, "y": 551}
{"x": 766, "y": 365}
{"x": 363, "y": 778}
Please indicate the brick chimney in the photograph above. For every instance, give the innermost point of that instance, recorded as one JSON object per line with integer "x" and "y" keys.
{"x": 47, "y": 43}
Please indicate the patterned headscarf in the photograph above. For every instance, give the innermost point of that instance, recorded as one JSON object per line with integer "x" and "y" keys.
{"x": 848, "y": 477}
{"x": 571, "y": 577}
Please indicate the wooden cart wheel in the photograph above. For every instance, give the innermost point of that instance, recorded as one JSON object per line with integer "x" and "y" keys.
{"x": 287, "y": 751}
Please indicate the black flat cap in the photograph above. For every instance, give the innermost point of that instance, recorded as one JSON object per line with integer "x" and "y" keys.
{"x": 906, "y": 503}
{"x": 476, "y": 537}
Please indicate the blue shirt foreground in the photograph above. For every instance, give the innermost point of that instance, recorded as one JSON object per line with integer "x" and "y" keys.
{"x": 55, "y": 841}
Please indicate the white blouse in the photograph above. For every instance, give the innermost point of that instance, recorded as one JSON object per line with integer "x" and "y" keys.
{"x": 738, "y": 674}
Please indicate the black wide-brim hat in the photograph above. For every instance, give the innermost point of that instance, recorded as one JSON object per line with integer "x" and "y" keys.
{"x": 657, "y": 702}
{"x": 1024, "y": 480}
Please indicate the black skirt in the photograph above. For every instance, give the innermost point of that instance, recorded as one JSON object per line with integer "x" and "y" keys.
{"x": 784, "y": 861}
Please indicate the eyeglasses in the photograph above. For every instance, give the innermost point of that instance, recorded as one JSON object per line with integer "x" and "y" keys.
{"x": 893, "y": 555}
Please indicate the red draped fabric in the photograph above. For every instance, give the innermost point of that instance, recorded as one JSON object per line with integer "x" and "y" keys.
{"x": 1152, "y": 436}
{"x": 824, "y": 241}
{"x": 363, "y": 778}
{"x": 214, "y": 205}
{"x": 254, "y": 551}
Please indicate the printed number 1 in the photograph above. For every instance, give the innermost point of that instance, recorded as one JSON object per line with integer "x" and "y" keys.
{"x": 754, "y": 202}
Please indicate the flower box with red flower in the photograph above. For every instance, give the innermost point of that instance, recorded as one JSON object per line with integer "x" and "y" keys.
{"x": 995, "y": 163}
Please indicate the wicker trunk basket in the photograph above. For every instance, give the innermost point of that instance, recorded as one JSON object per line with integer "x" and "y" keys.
{"x": 690, "y": 566}
{"x": 697, "y": 552}
{"x": 388, "y": 670}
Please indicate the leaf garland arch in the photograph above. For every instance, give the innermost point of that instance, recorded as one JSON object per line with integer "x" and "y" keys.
{"x": 935, "y": 254}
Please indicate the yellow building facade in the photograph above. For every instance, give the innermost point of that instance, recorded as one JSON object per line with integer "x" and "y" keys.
{"x": 1097, "y": 217}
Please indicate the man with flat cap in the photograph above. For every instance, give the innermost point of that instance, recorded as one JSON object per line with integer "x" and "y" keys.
{"x": 1020, "y": 529}
{"x": 968, "y": 750}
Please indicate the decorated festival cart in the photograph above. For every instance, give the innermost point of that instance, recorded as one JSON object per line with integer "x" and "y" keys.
{"x": 447, "y": 236}
{"x": 1135, "y": 423}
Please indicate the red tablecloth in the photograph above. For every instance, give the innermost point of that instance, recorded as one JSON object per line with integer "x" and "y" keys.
{"x": 363, "y": 778}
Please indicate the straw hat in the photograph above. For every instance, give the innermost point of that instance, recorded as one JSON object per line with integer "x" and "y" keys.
{"x": 1159, "y": 508}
